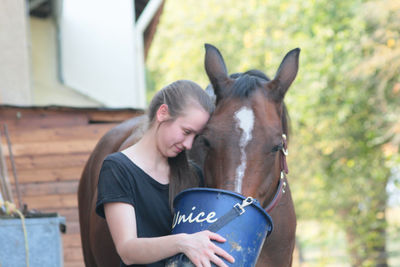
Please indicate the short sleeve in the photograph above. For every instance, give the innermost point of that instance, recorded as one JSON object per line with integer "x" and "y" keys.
{"x": 113, "y": 186}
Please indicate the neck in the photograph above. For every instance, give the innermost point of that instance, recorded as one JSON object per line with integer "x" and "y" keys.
{"x": 146, "y": 155}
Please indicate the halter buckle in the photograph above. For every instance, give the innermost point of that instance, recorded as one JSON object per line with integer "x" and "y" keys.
{"x": 284, "y": 150}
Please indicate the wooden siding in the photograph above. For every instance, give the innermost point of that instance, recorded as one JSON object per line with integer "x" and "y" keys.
{"x": 50, "y": 146}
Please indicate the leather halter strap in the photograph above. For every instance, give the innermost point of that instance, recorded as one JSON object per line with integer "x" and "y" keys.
{"x": 282, "y": 180}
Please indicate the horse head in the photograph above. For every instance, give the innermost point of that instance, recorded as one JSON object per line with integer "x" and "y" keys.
{"x": 246, "y": 136}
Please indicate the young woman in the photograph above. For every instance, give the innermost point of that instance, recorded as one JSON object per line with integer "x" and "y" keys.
{"x": 137, "y": 185}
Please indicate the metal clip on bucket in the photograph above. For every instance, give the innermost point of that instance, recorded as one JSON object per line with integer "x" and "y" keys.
{"x": 245, "y": 202}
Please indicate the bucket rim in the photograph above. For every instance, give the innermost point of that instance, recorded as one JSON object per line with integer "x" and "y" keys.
{"x": 217, "y": 190}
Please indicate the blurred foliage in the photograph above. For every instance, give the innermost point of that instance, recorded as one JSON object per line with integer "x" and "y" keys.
{"x": 344, "y": 104}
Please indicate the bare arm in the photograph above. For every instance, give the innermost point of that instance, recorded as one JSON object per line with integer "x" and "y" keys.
{"x": 133, "y": 250}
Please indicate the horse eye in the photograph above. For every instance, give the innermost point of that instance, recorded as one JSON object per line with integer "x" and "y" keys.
{"x": 206, "y": 142}
{"x": 201, "y": 139}
{"x": 277, "y": 148}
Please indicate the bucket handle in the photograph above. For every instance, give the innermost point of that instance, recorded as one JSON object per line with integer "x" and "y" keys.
{"x": 236, "y": 211}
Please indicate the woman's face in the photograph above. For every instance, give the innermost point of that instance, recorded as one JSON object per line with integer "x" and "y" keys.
{"x": 177, "y": 135}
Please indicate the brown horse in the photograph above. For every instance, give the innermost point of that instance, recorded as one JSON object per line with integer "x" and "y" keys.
{"x": 218, "y": 152}
{"x": 244, "y": 145}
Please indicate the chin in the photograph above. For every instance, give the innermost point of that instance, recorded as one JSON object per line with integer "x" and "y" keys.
{"x": 175, "y": 154}
{"x": 170, "y": 154}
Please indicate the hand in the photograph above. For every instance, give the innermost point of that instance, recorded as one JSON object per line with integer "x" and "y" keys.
{"x": 201, "y": 251}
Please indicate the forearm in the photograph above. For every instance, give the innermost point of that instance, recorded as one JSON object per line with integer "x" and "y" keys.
{"x": 149, "y": 250}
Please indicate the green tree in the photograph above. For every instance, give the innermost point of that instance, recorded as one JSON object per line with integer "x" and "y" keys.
{"x": 352, "y": 132}
{"x": 344, "y": 104}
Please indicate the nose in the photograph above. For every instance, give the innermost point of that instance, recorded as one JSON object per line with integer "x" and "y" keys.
{"x": 188, "y": 142}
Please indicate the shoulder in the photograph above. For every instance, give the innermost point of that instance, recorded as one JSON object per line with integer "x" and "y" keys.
{"x": 114, "y": 166}
{"x": 116, "y": 174}
{"x": 116, "y": 159}
{"x": 116, "y": 156}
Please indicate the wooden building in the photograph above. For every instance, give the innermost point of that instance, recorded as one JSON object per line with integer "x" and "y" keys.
{"x": 51, "y": 127}
{"x": 50, "y": 146}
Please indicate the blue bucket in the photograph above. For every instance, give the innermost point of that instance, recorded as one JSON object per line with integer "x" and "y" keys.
{"x": 240, "y": 220}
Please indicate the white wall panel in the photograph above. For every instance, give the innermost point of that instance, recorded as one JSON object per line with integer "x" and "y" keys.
{"x": 97, "y": 41}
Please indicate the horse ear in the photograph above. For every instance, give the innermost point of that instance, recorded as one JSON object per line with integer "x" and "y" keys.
{"x": 216, "y": 70}
{"x": 286, "y": 74}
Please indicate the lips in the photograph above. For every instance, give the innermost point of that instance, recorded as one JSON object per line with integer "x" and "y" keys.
{"x": 179, "y": 150}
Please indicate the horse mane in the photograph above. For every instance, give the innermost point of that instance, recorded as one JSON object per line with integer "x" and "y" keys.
{"x": 247, "y": 82}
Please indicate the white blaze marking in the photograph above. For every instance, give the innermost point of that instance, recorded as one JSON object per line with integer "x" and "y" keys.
{"x": 245, "y": 123}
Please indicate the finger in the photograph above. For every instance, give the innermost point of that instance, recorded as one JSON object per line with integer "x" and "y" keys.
{"x": 221, "y": 252}
{"x": 218, "y": 261}
{"x": 216, "y": 237}
{"x": 196, "y": 262}
{"x": 206, "y": 263}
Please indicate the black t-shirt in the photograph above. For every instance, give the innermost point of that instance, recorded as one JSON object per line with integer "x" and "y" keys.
{"x": 121, "y": 180}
